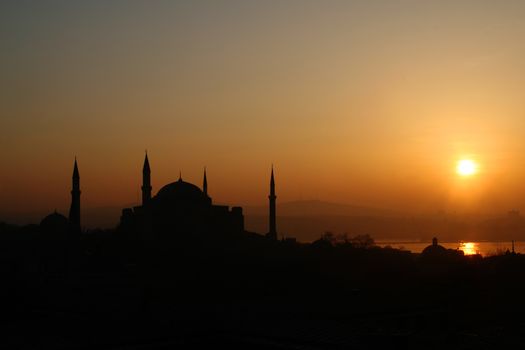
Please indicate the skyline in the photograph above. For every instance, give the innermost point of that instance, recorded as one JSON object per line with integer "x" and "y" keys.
{"x": 365, "y": 103}
{"x": 335, "y": 215}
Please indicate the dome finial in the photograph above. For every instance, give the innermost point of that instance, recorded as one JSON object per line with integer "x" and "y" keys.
{"x": 180, "y": 175}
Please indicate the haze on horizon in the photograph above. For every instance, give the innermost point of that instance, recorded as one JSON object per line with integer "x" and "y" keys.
{"x": 363, "y": 102}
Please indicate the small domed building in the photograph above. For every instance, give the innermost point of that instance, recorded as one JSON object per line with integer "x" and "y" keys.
{"x": 434, "y": 249}
{"x": 437, "y": 251}
{"x": 55, "y": 224}
{"x": 53, "y": 243}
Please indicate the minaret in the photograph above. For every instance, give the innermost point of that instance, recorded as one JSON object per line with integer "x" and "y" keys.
{"x": 205, "y": 183}
{"x": 74, "y": 210}
{"x": 146, "y": 182}
{"x": 272, "y": 233}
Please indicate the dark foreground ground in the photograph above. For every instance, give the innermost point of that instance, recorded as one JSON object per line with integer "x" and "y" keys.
{"x": 245, "y": 292}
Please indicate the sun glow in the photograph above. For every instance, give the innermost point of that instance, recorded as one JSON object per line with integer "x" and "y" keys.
{"x": 466, "y": 167}
{"x": 469, "y": 248}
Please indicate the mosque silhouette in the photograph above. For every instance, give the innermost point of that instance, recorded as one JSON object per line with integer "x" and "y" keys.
{"x": 178, "y": 208}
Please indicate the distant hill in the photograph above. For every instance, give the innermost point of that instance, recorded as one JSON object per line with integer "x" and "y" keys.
{"x": 319, "y": 208}
{"x": 307, "y": 220}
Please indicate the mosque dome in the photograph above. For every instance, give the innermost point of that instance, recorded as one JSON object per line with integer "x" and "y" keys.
{"x": 54, "y": 222}
{"x": 434, "y": 249}
{"x": 181, "y": 191}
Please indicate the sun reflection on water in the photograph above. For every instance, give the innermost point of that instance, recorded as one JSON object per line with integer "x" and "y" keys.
{"x": 469, "y": 248}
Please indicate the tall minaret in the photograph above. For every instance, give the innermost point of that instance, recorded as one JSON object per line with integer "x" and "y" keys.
{"x": 272, "y": 233}
{"x": 74, "y": 210}
{"x": 146, "y": 181}
{"x": 205, "y": 183}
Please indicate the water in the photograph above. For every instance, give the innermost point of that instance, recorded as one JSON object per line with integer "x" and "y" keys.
{"x": 469, "y": 248}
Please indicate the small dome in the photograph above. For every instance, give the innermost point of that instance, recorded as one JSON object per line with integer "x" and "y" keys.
{"x": 181, "y": 190}
{"x": 435, "y": 248}
{"x": 54, "y": 221}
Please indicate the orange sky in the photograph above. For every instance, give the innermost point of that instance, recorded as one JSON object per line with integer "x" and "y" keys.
{"x": 363, "y": 102}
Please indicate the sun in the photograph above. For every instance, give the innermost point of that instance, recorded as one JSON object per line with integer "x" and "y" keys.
{"x": 466, "y": 167}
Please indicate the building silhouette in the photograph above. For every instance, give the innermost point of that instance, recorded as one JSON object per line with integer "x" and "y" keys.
{"x": 434, "y": 248}
{"x": 178, "y": 209}
{"x": 436, "y": 252}
{"x": 55, "y": 225}
{"x": 272, "y": 231}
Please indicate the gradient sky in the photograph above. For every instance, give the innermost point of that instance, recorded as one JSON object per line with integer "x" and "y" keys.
{"x": 361, "y": 102}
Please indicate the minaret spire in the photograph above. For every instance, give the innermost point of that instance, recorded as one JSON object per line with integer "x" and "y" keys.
{"x": 272, "y": 233}
{"x": 146, "y": 181}
{"x": 205, "y": 183}
{"x": 74, "y": 210}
